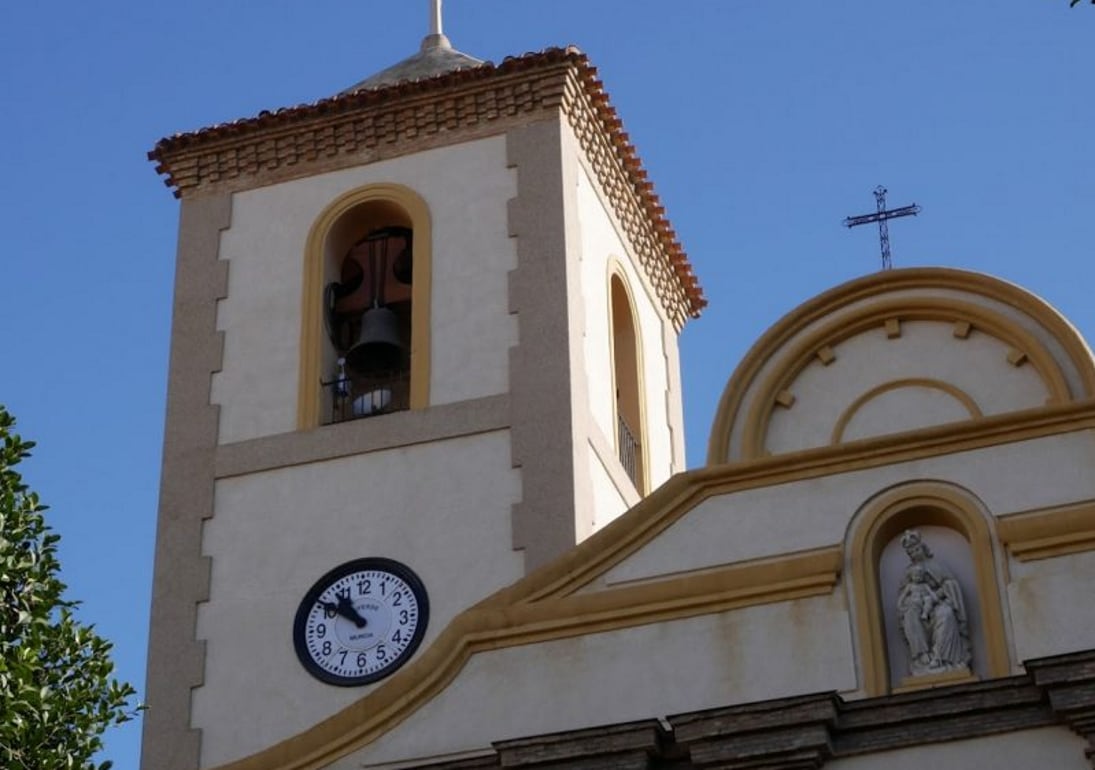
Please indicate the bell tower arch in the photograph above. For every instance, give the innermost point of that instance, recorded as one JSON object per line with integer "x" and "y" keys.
{"x": 332, "y": 238}
{"x": 391, "y": 373}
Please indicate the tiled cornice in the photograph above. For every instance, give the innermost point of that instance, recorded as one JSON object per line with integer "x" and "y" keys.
{"x": 352, "y": 129}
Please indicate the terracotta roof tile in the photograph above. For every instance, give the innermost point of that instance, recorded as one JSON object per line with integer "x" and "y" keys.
{"x": 354, "y": 101}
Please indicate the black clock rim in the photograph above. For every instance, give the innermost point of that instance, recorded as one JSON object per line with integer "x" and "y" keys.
{"x": 400, "y": 570}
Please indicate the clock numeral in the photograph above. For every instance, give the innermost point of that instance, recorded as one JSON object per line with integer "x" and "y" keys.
{"x": 384, "y": 594}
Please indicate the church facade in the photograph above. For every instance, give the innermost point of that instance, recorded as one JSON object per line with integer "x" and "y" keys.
{"x": 424, "y": 500}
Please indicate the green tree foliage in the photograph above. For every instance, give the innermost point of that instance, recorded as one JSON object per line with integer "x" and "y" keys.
{"x": 57, "y": 695}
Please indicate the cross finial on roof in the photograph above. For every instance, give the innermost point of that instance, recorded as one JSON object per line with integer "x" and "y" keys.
{"x": 435, "y": 17}
{"x": 436, "y": 38}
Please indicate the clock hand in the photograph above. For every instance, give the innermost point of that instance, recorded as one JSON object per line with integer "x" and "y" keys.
{"x": 345, "y": 608}
{"x": 347, "y": 611}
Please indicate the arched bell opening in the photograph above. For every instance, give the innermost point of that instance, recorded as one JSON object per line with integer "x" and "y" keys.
{"x": 368, "y": 297}
{"x": 625, "y": 369}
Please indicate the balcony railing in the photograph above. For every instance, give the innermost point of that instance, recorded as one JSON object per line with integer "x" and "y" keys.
{"x": 629, "y": 451}
{"x": 356, "y": 398}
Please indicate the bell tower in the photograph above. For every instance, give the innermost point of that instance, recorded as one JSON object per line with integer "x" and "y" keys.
{"x": 424, "y": 341}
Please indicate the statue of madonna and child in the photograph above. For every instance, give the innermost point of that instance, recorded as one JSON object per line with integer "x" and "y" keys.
{"x": 931, "y": 613}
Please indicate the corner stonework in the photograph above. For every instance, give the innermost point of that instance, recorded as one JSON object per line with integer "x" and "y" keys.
{"x": 177, "y": 658}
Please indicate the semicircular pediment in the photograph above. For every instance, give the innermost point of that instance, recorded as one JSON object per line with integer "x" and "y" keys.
{"x": 898, "y": 351}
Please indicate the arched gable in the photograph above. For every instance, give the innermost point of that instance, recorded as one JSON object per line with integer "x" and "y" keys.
{"x": 896, "y": 351}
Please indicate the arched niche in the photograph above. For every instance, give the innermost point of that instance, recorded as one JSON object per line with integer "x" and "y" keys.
{"x": 954, "y": 525}
{"x": 342, "y": 224}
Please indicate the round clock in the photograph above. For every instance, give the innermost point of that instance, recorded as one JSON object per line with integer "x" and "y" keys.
{"x": 361, "y": 621}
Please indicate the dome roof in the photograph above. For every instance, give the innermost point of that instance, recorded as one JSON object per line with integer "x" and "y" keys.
{"x": 435, "y": 57}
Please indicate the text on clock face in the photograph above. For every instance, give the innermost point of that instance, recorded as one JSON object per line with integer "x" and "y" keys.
{"x": 361, "y": 623}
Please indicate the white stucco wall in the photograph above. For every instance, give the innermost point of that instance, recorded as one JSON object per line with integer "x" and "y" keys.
{"x": 1051, "y": 605}
{"x": 813, "y": 513}
{"x": 976, "y": 366}
{"x": 276, "y": 533}
{"x": 601, "y": 248}
{"x": 1047, "y": 747}
{"x": 636, "y": 673}
{"x": 466, "y": 188}
{"x": 609, "y": 500}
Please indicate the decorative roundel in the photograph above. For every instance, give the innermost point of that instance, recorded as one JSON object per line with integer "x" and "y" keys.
{"x": 361, "y": 621}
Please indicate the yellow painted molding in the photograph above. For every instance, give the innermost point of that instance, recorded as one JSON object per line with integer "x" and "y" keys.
{"x": 1050, "y": 532}
{"x": 801, "y": 354}
{"x": 925, "y": 682}
{"x": 884, "y": 518}
{"x": 494, "y": 625}
{"x": 545, "y": 605}
{"x": 668, "y": 503}
{"x": 826, "y": 355}
{"x": 893, "y": 328}
{"x": 960, "y": 395}
{"x": 962, "y": 329}
{"x": 311, "y": 326}
{"x": 877, "y": 284}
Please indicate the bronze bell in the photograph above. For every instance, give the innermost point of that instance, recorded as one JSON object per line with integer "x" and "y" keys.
{"x": 378, "y": 349}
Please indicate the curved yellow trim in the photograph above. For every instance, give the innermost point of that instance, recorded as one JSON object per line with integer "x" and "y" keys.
{"x": 617, "y": 270}
{"x": 909, "y": 309}
{"x": 491, "y": 625}
{"x": 311, "y": 303}
{"x": 829, "y": 302}
{"x": 544, "y": 605}
{"x": 914, "y": 382}
{"x": 885, "y": 517}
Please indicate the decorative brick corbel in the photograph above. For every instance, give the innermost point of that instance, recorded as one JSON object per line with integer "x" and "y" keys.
{"x": 629, "y": 746}
{"x": 784, "y": 734}
{"x": 1069, "y": 683}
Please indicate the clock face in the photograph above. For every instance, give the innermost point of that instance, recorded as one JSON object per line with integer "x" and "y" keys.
{"x": 361, "y": 621}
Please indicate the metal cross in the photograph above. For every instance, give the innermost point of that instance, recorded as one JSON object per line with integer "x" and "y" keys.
{"x": 882, "y": 215}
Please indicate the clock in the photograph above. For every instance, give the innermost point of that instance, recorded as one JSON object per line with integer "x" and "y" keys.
{"x": 361, "y": 621}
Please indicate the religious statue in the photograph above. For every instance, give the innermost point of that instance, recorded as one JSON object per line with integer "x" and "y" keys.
{"x": 931, "y": 613}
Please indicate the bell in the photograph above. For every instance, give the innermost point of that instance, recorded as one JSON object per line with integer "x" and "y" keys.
{"x": 378, "y": 349}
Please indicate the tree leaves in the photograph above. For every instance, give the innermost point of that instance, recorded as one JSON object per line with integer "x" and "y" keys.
{"x": 57, "y": 695}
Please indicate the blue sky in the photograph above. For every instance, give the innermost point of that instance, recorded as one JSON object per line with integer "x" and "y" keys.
{"x": 762, "y": 124}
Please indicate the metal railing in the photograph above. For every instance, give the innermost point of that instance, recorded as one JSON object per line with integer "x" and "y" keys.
{"x": 358, "y": 397}
{"x": 629, "y": 451}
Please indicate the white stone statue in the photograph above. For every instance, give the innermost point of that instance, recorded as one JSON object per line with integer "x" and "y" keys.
{"x": 931, "y": 612}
